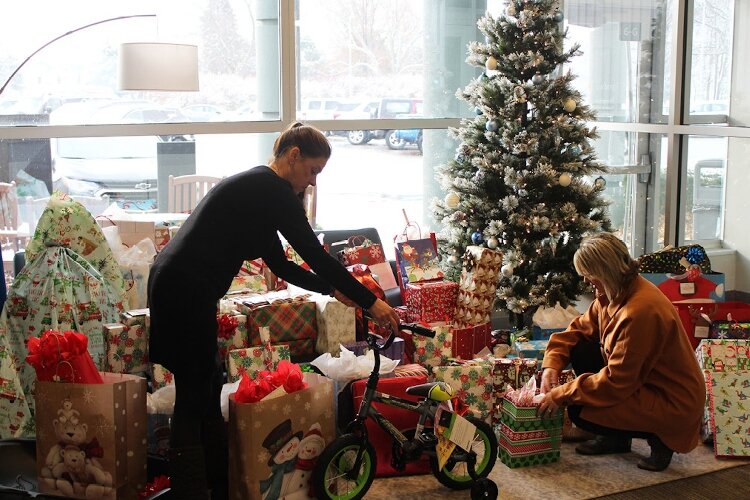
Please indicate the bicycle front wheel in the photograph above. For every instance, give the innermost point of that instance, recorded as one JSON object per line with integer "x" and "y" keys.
{"x": 455, "y": 474}
{"x": 330, "y": 476}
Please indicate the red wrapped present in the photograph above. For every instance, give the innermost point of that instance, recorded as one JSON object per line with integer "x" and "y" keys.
{"x": 697, "y": 317}
{"x": 469, "y": 340}
{"x": 431, "y": 300}
{"x": 361, "y": 250}
{"x": 363, "y": 274}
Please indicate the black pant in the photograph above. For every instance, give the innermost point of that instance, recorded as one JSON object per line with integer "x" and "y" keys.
{"x": 197, "y": 421}
{"x": 586, "y": 357}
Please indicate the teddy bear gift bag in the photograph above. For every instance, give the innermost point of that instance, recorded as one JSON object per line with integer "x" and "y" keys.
{"x": 90, "y": 438}
{"x": 274, "y": 443}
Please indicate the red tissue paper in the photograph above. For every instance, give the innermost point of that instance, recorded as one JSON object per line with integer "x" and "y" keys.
{"x": 287, "y": 375}
{"x": 62, "y": 357}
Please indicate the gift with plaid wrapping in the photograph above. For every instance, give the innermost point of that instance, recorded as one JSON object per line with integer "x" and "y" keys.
{"x": 431, "y": 300}
{"x": 472, "y": 383}
{"x": 252, "y": 360}
{"x": 231, "y": 332}
{"x": 294, "y": 322}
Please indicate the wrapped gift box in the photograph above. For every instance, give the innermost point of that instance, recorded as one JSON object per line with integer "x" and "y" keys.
{"x": 160, "y": 377}
{"x": 697, "y": 317}
{"x": 231, "y": 333}
{"x": 477, "y": 286}
{"x": 533, "y": 349}
{"x": 158, "y": 227}
{"x": 677, "y": 288}
{"x": 252, "y": 360}
{"x": 729, "y": 330}
{"x": 431, "y": 352}
{"x": 544, "y": 333}
{"x": 471, "y": 339}
{"x": 431, "y": 300}
{"x": 524, "y": 439}
{"x": 127, "y": 346}
{"x": 292, "y": 321}
{"x": 722, "y": 355}
{"x": 404, "y": 316}
{"x": 473, "y": 383}
{"x": 336, "y": 324}
{"x": 410, "y": 370}
{"x": 728, "y": 399}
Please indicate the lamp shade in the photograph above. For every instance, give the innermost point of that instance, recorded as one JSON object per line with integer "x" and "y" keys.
{"x": 158, "y": 66}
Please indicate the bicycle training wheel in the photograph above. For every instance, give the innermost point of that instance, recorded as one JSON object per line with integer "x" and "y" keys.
{"x": 329, "y": 476}
{"x": 455, "y": 474}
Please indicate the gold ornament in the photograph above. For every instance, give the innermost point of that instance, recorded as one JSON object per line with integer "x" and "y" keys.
{"x": 491, "y": 63}
{"x": 452, "y": 200}
{"x": 570, "y": 105}
{"x": 565, "y": 179}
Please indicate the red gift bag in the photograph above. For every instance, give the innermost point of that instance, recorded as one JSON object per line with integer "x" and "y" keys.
{"x": 404, "y": 420}
{"x": 362, "y": 274}
{"x": 697, "y": 317}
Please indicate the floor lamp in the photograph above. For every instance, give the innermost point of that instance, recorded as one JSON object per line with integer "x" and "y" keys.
{"x": 143, "y": 66}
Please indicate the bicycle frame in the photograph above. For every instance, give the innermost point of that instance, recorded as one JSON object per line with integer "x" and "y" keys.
{"x": 426, "y": 407}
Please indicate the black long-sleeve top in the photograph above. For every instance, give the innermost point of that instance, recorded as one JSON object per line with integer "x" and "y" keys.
{"x": 239, "y": 219}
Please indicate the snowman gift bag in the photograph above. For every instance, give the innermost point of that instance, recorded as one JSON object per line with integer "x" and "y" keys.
{"x": 275, "y": 442}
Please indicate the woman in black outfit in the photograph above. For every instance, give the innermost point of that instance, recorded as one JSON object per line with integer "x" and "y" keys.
{"x": 236, "y": 221}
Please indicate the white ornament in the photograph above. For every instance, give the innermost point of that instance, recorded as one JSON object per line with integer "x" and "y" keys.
{"x": 565, "y": 179}
{"x": 453, "y": 260}
{"x": 491, "y": 63}
{"x": 511, "y": 10}
{"x": 492, "y": 243}
{"x": 570, "y": 105}
{"x": 451, "y": 200}
{"x": 507, "y": 270}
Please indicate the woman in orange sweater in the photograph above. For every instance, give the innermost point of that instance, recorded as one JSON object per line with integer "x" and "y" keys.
{"x": 637, "y": 373}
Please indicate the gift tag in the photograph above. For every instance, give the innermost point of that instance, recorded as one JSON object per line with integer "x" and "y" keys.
{"x": 701, "y": 332}
{"x": 460, "y": 431}
{"x": 687, "y": 288}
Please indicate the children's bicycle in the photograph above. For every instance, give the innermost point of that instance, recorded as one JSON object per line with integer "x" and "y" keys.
{"x": 346, "y": 468}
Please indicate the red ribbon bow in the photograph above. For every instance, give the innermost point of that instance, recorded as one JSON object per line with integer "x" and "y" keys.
{"x": 227, "y": 324}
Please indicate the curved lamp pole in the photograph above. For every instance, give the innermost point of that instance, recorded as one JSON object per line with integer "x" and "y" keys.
{"x": 63, "y": 36}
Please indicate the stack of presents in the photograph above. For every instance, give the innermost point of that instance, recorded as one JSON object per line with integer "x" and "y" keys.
{"x": 74, "y": 281}
{"x": 719, "y": 331}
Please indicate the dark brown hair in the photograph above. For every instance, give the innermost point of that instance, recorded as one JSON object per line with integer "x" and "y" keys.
{"x": 310, "y": 141}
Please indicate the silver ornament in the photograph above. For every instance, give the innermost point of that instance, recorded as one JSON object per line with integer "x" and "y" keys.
{"x": 492, "y": 243}
{"x": 507, "y": 270}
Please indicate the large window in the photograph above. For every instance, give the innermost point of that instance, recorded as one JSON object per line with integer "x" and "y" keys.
{"x": 380, "y": 78}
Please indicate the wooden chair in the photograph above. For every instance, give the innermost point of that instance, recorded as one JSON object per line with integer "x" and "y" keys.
{"x": 10, "y": 236}
{"x": 186, "y": 191}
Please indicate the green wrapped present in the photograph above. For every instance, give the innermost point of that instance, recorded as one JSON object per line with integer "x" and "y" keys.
{"x": 472, "y": 383}
{"x": 252, "y": 360}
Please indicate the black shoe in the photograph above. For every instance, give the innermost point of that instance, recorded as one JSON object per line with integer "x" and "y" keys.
{"x": 187, "y": 473}
{"x": 660, "y": 458}
{"x": 604, "y": 445}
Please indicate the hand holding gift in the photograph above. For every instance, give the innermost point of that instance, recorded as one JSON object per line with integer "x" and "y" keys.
{"x": 62, "y": 357}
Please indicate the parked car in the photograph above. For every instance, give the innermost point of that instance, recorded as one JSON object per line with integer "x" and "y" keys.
{"x": 389, "y": 107}
{"x": 203, "y": 113}
{"x": 123, "y": 167}
{"x": 399, "y": 139}
{"x": 319, "y": 108}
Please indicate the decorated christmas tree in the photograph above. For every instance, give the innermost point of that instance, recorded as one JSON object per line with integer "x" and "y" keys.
{"x": 524, "y": 177}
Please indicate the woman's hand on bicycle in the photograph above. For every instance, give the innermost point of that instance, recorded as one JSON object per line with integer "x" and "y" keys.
{"x": 384, "y": 314}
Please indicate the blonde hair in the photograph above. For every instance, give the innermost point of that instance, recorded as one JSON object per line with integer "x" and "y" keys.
{"x": 310, "y": 141}
{"x": 605, "y": 257}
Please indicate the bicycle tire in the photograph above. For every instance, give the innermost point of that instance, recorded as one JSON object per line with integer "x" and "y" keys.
{"x": 332, "y": 464}
{"x": 456, "y": 477}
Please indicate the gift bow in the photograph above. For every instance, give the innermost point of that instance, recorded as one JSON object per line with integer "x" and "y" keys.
{"x": 287, "y": 375}
{"x": 227, "y": 324}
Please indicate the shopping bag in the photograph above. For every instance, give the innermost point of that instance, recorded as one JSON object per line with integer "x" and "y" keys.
{"x": 90, "y": 438}
{"x": 273, "y": 444}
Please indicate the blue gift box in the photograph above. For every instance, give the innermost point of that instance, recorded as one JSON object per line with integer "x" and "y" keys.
{"x": 533, "y": 349}
{"x": 538, "y": 333}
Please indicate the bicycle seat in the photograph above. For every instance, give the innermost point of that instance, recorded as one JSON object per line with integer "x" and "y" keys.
{"x": 436, "y": 391}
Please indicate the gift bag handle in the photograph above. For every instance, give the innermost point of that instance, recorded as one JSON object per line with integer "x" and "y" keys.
{"x": 358, "y": 240}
